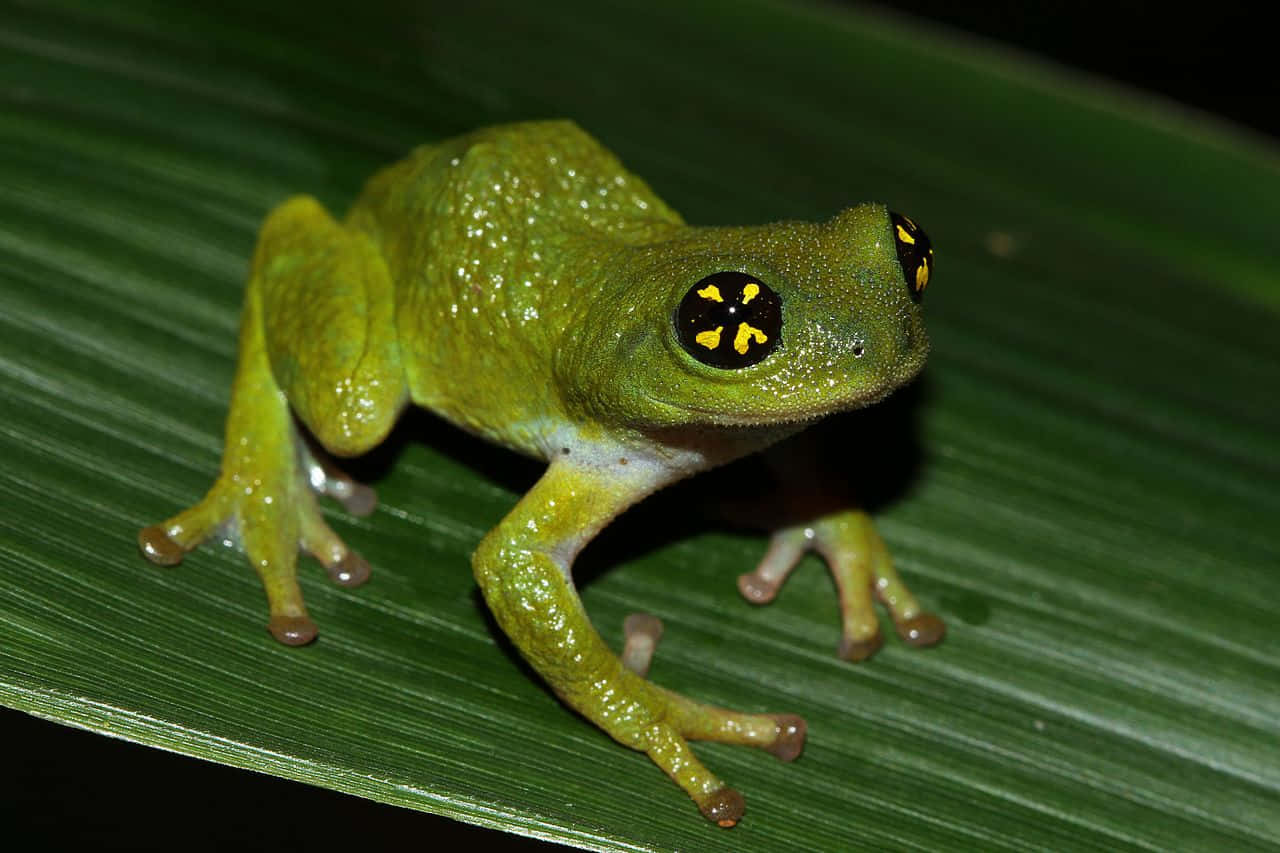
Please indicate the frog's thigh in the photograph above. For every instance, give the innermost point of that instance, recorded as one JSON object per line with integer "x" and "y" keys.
{"x": 329, "y": 327}
{"x": 523, "y": 569}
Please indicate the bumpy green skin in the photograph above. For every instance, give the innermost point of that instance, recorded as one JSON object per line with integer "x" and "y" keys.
{"x": 521, "y": 283}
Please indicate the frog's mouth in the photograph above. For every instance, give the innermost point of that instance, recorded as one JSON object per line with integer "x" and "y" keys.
{"x": 790, "y": 416}
{"x": 842, "y": 394}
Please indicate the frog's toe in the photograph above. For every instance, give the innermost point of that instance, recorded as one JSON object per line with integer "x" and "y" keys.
{"x": 344, "y": 566}
{"x": 856, "y": 651}
{"x": 792, "y": 730}
{"x": 756, "y": 588}
{"x": 166, "y": 543}
{"x": 156, "y": 546}
{"x": 780, "y": 735}
{"x": 351, "y": 570}
{"x": 723, "y": 807}
{"x": 325, "y": 478}
{"x": 292, "y": 630}
{"x": 923, "y": 629}
{"x": 357, "y": 498}
{"x": 642, "y": 632}
{"x": 786, "y": 547}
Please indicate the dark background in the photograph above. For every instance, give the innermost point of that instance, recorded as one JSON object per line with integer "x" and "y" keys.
{"x": 1219, "y": 57}
{"x": 65, "y": 788}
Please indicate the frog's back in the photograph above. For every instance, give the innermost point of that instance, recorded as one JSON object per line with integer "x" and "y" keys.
{"x": 490, "y": 238}
{"x": 553, "y": 172}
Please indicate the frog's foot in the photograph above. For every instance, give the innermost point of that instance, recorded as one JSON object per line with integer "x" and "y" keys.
{"x": 683, "y": 719}
{"x": 661, "y": 723}
{"x": 642, "y": 631}
{"x": 264, "y": 505}
{"x": 860, "y": 564}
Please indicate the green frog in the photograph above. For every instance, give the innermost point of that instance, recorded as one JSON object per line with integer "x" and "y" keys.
{"x": 521, "y": 283}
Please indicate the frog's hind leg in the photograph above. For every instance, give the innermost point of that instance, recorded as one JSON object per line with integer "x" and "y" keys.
{"x": 523, "y": 568}
{"x": 317, "y": 333}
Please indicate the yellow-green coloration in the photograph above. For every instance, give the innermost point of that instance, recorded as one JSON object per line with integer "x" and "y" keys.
{"x": 521, "y": 283}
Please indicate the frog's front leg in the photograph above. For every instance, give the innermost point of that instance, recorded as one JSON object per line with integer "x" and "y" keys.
{"x": 523, "y": 567}
{"x": 862, "y": 568}
{"x": 316, "y": 335}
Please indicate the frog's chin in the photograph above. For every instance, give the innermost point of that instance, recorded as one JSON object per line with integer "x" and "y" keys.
{"x": 781, "y": 415}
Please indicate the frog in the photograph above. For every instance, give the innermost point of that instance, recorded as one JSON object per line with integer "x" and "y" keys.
{"x": 519, "y": 282}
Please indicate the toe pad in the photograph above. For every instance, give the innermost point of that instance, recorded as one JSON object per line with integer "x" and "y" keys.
{"x": 351, "y": 570}
{"x": 925, "y": 629}
{"x": 791, "y": 734}
{"x": 724, "y": 807}
{"x": 156, "y": 546}
{"x": 859, "y": 650}
{"x": 292, "y": 630}
{"x": 756, "y": 589}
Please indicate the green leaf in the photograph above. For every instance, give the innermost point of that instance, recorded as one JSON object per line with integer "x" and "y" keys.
{"x": 1094, "y": 513}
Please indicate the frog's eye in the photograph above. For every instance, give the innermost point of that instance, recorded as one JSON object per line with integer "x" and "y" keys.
{"x": 915, "y": 253}
{"x": 729, "y": 320}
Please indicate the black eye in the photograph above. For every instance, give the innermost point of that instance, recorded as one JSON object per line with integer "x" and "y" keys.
{"x": 729, "y": 320}
{"x": 915, "y": 253}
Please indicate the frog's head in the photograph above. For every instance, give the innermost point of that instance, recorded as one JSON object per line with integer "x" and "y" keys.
{"x": 755, "y": 326}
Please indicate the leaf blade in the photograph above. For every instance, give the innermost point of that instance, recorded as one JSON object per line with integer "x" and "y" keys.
{"x": 1082, "y": 699}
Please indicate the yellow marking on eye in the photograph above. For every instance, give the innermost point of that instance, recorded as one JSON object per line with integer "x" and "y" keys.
{"x": 745, "y": 334}
{"x": 911, "y": 222}
{"x": 751, "y": 291}
{"x": 711, "y": 292}
{"x": 710, "y": 340}
{"x": 904, "y": 236}
{"x": 922, "y": 275}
